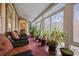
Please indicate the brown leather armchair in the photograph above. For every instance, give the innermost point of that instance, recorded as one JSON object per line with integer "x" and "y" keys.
{"x": 6, "y": 48}
{"x": 5, "y": 45}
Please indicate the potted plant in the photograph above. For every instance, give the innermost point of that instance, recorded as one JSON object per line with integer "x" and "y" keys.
{"x": 33, "y": 31}
{"x": 56, "y": 37}
{"x": 66, "y": 52}
{"x": 37, "y": 34}
{"x": 44, "y": 38}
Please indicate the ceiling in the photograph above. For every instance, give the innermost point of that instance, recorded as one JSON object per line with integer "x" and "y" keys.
{"x": 30, "y": 10}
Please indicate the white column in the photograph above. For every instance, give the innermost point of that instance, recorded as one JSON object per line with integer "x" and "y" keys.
{"x": 3, "y": 18}
{"x": 68, "y": 24}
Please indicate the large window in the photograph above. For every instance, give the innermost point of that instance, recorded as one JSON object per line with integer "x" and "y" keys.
{"x": 34, "y": 23}
{"x": 38, "y": 26}
{"x": 57, "y": 21}
{"x": 47, "y": 24}
{"x": 76, "y": 23}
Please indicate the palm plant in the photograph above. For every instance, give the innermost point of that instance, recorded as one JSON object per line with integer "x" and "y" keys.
{"x": 56, "y": 37}
{"x": 38, "y": 32}
{"x": 44, "y": 38}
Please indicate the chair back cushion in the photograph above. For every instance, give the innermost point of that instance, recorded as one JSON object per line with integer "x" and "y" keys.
{"x": 18, "y": 33}
{"x": 5, "y": 45}
{"x": 15, "y": 35}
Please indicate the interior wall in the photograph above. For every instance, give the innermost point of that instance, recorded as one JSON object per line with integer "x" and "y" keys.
{"x": 16, "y": 23}
{"x": 13, "y": 19}
{"x": 23, "y": 21}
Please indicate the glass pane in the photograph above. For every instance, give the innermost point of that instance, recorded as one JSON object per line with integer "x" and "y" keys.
{"x": 38, "y": 26}
{"x": 9, "y": 24}
{"x": 47, "y": 24}
{"x": 34, "y": 23}
{"x": 57, "y": 21}
{"x": 76, "y": 23}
